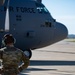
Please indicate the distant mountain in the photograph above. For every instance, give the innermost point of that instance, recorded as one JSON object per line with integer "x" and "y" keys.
{"x": 71, "y": 36}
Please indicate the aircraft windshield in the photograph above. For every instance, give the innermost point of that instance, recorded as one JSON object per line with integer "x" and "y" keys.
{"x": 41, "y": 8}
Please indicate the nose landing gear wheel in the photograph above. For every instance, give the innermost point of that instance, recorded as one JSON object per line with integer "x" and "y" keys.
{"x": 28, "y": 53}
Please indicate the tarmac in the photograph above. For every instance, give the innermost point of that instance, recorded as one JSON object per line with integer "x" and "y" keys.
{"x": 56, "y": 59}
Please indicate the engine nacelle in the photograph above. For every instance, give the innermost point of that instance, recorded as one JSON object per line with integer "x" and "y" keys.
{"x": 2, "y": 2}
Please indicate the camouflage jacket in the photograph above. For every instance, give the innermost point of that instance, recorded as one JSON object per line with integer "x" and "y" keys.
{"x": 12, "y": 57}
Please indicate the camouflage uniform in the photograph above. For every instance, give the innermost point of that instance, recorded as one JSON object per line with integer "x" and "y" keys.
{"x": 12, "y": 57}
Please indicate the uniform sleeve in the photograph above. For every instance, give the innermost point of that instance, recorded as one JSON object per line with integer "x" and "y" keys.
{"x": 25, "y": 63}
{"x": 1, "y": 52}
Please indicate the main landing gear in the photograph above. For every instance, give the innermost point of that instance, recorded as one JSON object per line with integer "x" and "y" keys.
{"x": 28, "y": 53}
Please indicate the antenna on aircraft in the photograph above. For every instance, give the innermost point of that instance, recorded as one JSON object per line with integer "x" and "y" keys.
{"x": 7, "y": 18}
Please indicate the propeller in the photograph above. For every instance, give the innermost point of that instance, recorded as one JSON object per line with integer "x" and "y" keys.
{"x": 7, "y": 18}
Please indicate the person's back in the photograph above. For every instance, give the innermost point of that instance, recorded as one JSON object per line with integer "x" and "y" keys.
{"x": 11, "y": 57}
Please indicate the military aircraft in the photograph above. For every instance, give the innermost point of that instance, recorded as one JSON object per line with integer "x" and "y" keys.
{"x": 30, "y": 23}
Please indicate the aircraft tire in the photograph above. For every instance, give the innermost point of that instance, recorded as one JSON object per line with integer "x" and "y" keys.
{"x": 28, "y": 53}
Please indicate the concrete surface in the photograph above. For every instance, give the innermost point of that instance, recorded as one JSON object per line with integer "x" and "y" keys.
{"x": 57, "y": 59}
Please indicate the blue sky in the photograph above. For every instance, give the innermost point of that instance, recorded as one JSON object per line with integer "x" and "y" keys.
{"x": 63, "y": 11}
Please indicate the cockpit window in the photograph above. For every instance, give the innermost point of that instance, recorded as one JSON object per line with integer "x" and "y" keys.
{"x": 41, "y": 8}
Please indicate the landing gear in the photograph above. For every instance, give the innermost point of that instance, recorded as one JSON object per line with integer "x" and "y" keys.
{"x": 28, "y": 53}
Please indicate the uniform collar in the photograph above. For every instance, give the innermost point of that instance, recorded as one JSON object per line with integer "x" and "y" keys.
{"x": 10, "y": 46}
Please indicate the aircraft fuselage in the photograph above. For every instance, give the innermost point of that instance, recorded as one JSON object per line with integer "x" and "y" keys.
{"x": 31, "y": 24}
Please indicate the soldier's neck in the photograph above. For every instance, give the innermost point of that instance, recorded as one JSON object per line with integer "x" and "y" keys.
{"x": 10, "y": 45}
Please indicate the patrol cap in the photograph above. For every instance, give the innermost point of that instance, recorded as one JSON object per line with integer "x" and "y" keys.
{"x": 8, "y": 38}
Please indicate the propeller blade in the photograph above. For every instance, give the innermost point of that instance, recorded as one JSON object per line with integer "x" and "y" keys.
{"x": 7, "y": 25}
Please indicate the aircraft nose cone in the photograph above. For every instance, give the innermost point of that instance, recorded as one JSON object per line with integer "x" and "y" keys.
{"x": 61, "y": 32}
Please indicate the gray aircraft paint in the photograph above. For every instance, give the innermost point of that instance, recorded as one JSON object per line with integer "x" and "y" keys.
{"x": 31, "y": 24}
